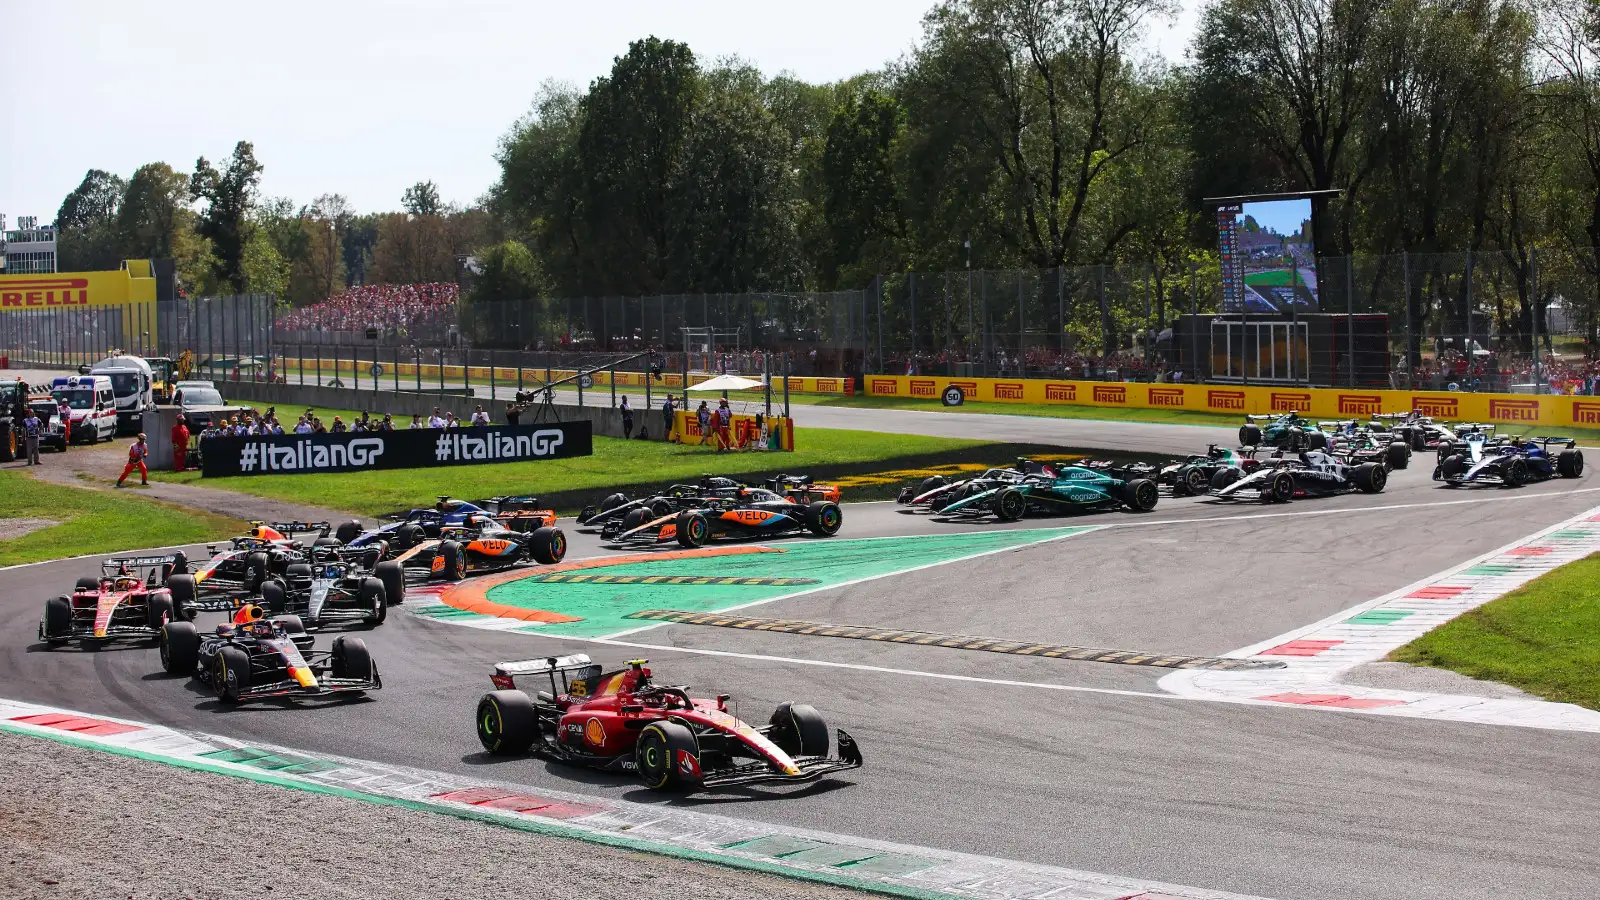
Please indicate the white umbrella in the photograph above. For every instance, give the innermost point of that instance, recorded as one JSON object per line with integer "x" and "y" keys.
{"x": 727, "y": 383}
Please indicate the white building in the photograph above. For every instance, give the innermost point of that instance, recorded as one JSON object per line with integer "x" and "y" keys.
{"x": 28, "y": 249}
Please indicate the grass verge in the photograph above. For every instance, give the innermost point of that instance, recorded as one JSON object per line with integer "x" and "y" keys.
{"x": 96, "y": 521}
{"x": 1543, "y": 638}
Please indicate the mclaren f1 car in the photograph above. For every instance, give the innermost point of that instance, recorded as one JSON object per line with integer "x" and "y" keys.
{"x": 624, "y": 722}
{"x": 481, "y": 544}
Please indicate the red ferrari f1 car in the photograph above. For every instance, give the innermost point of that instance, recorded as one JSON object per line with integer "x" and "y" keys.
{"x": 623, "y": 721}
{"x": 118, "y": 605}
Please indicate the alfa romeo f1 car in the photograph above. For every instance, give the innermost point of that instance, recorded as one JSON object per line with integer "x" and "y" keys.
{"x": 1313, "y": 473}
{"x": 1068, "y": 489}
{"x": 751, "y": 513}
{"x": 118, "y": 605}
{"x": 1510, "y": 464}
{"x": 624, "y": 722}
{"x": 1192, "y": 476}
{"x": 1286, "y": 432}
{"x": 481, "y": 544}
{"x": 256, "y": 658}
{"x": 937, "y": 492}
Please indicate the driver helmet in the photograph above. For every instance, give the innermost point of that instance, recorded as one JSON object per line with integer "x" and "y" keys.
{"x": 247, "y": 613}
{"x": 259, "y": 628}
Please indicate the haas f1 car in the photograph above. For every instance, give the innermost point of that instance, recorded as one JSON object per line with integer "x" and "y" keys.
{"x": 1476, "y": 460}
{"x": 253, "y": 658}
{"x": 1312, "y": 473}
{"x": 750, "y": 513}
{"x": 119, "y": 605}
{"x": 624, "y": 722}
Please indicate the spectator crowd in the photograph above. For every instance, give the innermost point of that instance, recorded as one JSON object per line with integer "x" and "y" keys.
{"x": 402, "y": 307}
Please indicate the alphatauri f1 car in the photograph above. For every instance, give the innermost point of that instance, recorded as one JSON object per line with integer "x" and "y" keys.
{"x": 624, "y": 722}
{"x": 253, "y": 658}
{"x": 1312, "y": 473}
{"x": 118, "y": 605}
{"x": 1509, "y": 464}
{"x": 750, "y": 513}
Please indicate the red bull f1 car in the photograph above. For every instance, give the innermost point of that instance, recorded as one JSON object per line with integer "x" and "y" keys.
{"x": 751, "y": 513}
{"x": 624, "y": 722}
{"x": 255, "y": 658}
{"x": 119, "y": 605}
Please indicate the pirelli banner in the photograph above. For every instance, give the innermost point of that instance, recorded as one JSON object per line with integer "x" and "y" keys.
{"x": 743, "y": 432}
{"x": 299, "y": 454}
{"x": 1317, "y": 403}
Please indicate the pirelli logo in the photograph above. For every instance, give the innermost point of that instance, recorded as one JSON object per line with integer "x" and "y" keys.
{"x": 922, "y": 387}
{"x": 1360, "y": 404}
{"x": 1108, "y": 393}
{"x": 883, "y": 386}
{"x": 1514, "y": 410}
{"x": 1054, "y": 391}
{"x": 969, "y": 388}
{"x": 1165, "y": 397}
{"x": 1585, "y": 412}
{"x": 1008, "y": 390}
{"x": 1291, "y": 401}
{"x": 1448, "y": 407}
{"x": 44, "y": 292}
{"x": 827, "y": 385}
{"x": 1231, "y": 400}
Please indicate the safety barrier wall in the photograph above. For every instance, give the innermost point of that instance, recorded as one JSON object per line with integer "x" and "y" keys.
{"x": 1317, "y": 403}
{"x": 292, "y": 367}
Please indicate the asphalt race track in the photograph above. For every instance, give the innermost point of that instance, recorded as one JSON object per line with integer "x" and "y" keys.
{"x": 1109, "y": 774}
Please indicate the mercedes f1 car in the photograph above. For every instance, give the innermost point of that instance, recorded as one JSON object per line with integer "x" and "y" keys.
{"x": 119, "y": 605}
{"x": 624, "y": 722}
{"x": 481, "y": 544}
{"x": 750, "y": 513}
{"x": 1313, "y": 473}
{"x": 331, "y": 590}
{"x": 1067, "y": 489}
{"x": 1509, "y": 464}
{"x": 254, "y": 658}
{"x": 1286, "y": 432}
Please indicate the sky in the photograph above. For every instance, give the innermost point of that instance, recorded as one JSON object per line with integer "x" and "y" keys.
{"x": 366, "y": 97}
{"x": 1281, "y": 217}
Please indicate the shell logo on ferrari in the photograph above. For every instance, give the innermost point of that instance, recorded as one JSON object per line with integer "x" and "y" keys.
{"x": 594, "y": 732}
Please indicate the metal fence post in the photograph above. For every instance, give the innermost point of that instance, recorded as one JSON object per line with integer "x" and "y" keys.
{"x": 1061, "y": 311}
{"x": 466, "y": 371}
{"x": 1533, "y": 316}
{"x": 1405, "y": 275}
{"x": 1350, "y": 317}
{"x": 912, "y": 287}
{"x": 492, "y": 386}
{"x": 1194, "y": 320}
{"x": 612, "y": 376}
{"x": 880, "y": 328}
{"x": 394, "y": 351}
{"x": 1468, "y": 348}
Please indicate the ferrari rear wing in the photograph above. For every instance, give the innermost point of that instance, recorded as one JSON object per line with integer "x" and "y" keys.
{"x": 172, "y": 563}
{"x": 506, "y": 673}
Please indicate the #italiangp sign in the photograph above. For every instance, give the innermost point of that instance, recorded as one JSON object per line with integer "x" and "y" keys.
{"x": 298, "y": 454}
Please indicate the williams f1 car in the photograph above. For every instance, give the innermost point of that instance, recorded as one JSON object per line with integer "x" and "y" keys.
{"x": 1067, "y": 489}
{"x": 751, "y": 513}
{"x": 254, "y": 658}
{"x": 1509, "y": 464}
{"x": 1313, "y": 473}
{"x": 624, "y": 722}
{"x": 118, "y": 605}
{"x": 403, "y": 532}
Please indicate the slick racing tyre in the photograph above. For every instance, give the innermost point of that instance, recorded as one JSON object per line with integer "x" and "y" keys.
{"x": 693, "y": 530}
{"x": 1249, "y": 435}
{"x": 87, "y": 583}
{"x": 1453, "y": 466}
{"x": 230, "y": 674}
{"x": 182, "y": 588}
{"x": 932, "y": 482}
{"x": 1370, "y": 478}
{"x": 1223, "y": 478}
{"x": 507, "y": 724}
{"x": 548, "y": 545}
{"x": 634, "y": 518}
{"x": 1569, "y": 464}
{"x": 348, "y": 531}
{"x": 612, "y": 501}
{"x": 1281, "y": 489}
{"x": 1294, "y": 439}
{"x": 350, "y": 659}
{"x": 1142, "y": 495}
{"x": 373, "y": 601}
{"x": 393, "y": 576}
{"x": 667, "y": 757}
{"x": 1515, "y": 474}
{"x": 798, "y": 730}
{"x": 455, "y": 561}
{"x": 1398, "y": 455}
{"x": 160, "y": 611}
{"x": 661, "y": 508}
{"x": 255, "y": 571}
{"x": 274, "y": 597}
{"x": 1196, "y": 481}
{"x": 409, "y": 535}
{"x": 57, "y": 620}
{"x": 180, "y": 648}
{"x": 291, "y": 624}
{"x": 1009, "y": 505}
{"x": 1316, "y": 440}
{"x": 824, "y": 518}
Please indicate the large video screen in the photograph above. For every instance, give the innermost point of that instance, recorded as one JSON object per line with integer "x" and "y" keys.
{"x": 1269, "y": 263}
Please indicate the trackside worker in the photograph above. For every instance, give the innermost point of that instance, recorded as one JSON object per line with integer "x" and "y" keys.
{"x": 136, "y": 456}
{"x": 32, "y": 428}
{"x": 724, "y": 419}
{"x": 180, "y": 444}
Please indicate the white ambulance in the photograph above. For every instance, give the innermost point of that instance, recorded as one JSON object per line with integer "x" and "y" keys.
{"x": 91, "y": 404}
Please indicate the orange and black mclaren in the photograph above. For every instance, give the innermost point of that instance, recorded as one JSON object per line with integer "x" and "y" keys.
{"x": 750, "y": 513}
{"x": 481, "y": 544}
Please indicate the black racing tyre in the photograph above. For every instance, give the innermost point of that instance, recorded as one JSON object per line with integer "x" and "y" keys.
{"x": 326, "y": 542}
{"x": 297, "y": 570}
{"x": 8, "y": 443}
{"x": 507, "y": 724}
{"x": 667, "y": 757}
{"x": 373, "y": 599}
{"x": 180, "y": 564}
{"x": 431, "y": 528}
{"x": 1419, "y": 441}
{"x": 693, "y": 530}
{"x": 160, "y": 611}
{"x": 798, "y": 730}
{"x": 274, "y": 597}
{"x": 1009, "y": 504}
{"x": 1316, "y": 440}
{"x": 1197, "y": 481}
{"x": 548, "y": 545}
{"x": 1569, "y": 463}
{"x": 455, "y": 561}
{"x": 1515, "y": 473}
{"x": 634, "y": 518}
{"x": 291, "y": 624}
{"x": 57, "y": 619}
{"x": 408, "y": 535}
{"x": 932, "y": 482}
{"x": 661, "y": 507}
{"x": 182, "y": 588}
{"x": 1294, "y": 438}
{"x": 1398, "y": 455}
{"x": 1142, "y": 495}
{"x": 348, "y": 531}
{"x": 824, "y": 518}
{"x": 1223, "y": 478}
{"x": 393, "y": 576}
{"x": 180, "y": 648}
{"x": 1453, "y": 465}
{"x": 255, "y": 571}
{"x": 350, "y": 658}
{"x": 369, "y": 560}
{"x": 1281, "y": 488}
{"x": 1370, "y": 478}
{"x": 613, "y": 501}
{"x": 230, "y": 674}
{"x": 1249, "y": 435}
{"x": 87, "y": 583}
